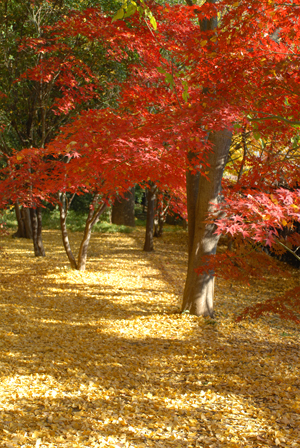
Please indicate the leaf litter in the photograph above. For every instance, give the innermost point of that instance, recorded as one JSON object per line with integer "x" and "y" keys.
{"x": 103, "y": 358}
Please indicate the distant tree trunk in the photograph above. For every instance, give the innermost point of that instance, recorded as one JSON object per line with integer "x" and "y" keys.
{"x": 151, "y": 200}
{"x": 123, "y": 209}
{"x": 158, "y": 226}
{"x": 24, "y": 222}
{"x": 199, "y": 289}
{"x": 162, "y": 207}
{"x": 26, "y": 216}
{"x": 36, "y": 224}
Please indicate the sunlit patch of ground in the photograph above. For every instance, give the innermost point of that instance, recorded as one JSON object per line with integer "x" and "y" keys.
{"x": 103, "y": 359}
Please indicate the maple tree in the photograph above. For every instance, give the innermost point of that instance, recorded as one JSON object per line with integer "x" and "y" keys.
{"x": 44, "y": 81}
{"x": 223, "y": 79}
{"x": 110, "y": 164}
{"x": 194, "y": 72}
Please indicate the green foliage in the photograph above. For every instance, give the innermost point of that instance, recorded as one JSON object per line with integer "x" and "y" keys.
{"x": 106, "y": 227}
{"x": 81, "y": 203}
{"x": 130, "y": 7}
{"x": 76, "y": 222}
{"x": 9, "y": 218}
{"x": 140, "y": 222}
{"x": 26, "y": 116}
{"x": 139, "y": 193}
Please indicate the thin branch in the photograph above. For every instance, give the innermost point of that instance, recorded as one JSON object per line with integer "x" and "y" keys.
{"x": 277, "y": 117}
{"x": 290, "y": 250}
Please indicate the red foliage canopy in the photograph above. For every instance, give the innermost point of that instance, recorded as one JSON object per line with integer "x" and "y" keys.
{"x": 182, "y": 82}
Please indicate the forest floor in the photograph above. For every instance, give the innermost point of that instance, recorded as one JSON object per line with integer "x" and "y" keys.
{"x": 103, "y": 358}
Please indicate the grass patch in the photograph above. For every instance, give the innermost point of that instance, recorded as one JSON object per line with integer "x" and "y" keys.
{"x": 76, "y": 222}
{"x": 140, "y": 222}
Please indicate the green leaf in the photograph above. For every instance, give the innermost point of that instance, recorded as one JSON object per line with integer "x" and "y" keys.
{"x": 185, "y": 93}
{"x": 130, "y": 10}
{"x": 119, "y": 15}
{"x": 147, "y": 12}
{"x": 161, "y": 70}
{"x": 185, "y": 96}
{"x": 153, "y": 22}
{"x": 237, "y": 126}
{"x": 169, "y": 78}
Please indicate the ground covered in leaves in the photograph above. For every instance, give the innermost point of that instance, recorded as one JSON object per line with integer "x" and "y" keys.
{"x": 104, "y": 359}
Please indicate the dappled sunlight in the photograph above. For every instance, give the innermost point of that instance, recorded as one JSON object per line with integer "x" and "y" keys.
{"x": 103, "y": 358}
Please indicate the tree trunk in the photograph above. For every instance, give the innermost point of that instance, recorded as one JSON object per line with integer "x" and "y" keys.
{"x": 36, "y": 225}
{"x": 26, "y": 216}
{"x": 92, "y": 219}
{"x": 202, "y": 197}
{"x": 63, "y": 209}
{"x": 20, "y": 233}
{"x": 123, "y": 209}
{"x": 161, "y": 212}
{"x": 192, "y": 188}
{"x": 24, "y": 222}
{"x": 199, "y": 289}
{"x": 158, "y": 226}
{"x": 93, "y": 216}
{"x": 151, "y": 200}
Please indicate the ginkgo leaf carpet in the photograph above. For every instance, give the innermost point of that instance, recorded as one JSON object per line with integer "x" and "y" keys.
{"x": 103, "y": 358}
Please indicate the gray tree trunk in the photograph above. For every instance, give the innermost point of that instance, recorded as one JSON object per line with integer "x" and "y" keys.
{"x": 151, "y": 200}
{"x": 63, "y": 210}
{"x": 94, "y": 214}
{"x": 199, "y": 289}
{"x": 36, "y": 225}
{"x": 123, "y": 209}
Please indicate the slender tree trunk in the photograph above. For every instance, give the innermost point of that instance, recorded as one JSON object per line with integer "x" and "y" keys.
{"x": 158, "y": 227}
{"x": 36, "y": 224}
{"x": 63, "y": 209}
{"x": 123, "y": 209}
{"x": 94, "y": 213}
{"x": 160, "y": 214}
{"x": 92, "y": 219}
{"x": 151, "y": 200}
{"x": 199, "y": 289}
{"x": 82, "y": 256}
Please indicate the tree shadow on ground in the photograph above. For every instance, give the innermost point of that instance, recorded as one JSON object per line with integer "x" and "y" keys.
{"x": 79, "y": 365}
{"x": 143, "y": 381}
